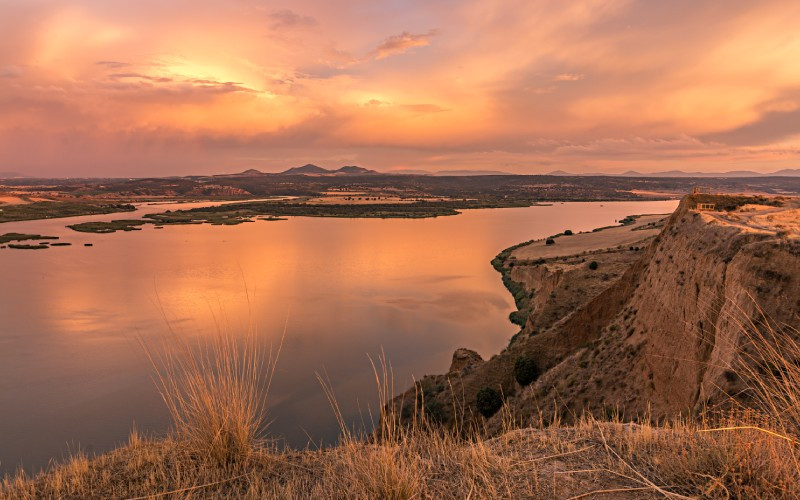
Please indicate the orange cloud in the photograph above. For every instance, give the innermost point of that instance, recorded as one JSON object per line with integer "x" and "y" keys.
{"x": 132, "y": 88}
{"x": 569, "y": 77}
{"x": 399, "y": 44}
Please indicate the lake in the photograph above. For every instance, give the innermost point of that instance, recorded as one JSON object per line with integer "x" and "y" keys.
{"x": 73, "y": 374}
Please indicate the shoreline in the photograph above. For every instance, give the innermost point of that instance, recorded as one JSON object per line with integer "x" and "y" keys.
{"x": 426, "y": 460}
{"x": 309, "y": 206}
{"x": 505, "y": 261}
{"x": 39, "y": 210}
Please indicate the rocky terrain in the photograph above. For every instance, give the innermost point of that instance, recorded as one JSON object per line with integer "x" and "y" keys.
{"x": 650, "y": 327}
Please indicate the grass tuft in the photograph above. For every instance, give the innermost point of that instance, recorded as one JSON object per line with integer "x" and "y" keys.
{"x": 216, "y": 392}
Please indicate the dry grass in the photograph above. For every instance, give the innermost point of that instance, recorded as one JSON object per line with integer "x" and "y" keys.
{"x": 216, "y": 397}
{"x": 624, "y": 460}
{"x": 771, "y": 367}
{"x": 632, "y": 460}
{"x": 216, "y": 392}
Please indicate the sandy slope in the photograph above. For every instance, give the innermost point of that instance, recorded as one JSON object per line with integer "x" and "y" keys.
{"x": 645, "y": 227}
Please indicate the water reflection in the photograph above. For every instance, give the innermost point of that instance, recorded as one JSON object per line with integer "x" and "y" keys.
{"x": 71, "y": 370}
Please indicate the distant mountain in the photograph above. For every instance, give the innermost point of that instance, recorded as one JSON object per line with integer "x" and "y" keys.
{"x": 562, "y": 173}
{"x": 311, "y": 169}
{"x": 307, "y": 169}
{"x": 408, "y": 171}
{"x": 315, "y": 170}
{"x": 11, "y": 175}
{"x": 443, "y": 173}
{"x": 353, "y": 170}
{"x": 787, "y": 172}
{"x": 462, "y": 173}
{"x": 247, "y": 173}
{"x": 680, "y": 173}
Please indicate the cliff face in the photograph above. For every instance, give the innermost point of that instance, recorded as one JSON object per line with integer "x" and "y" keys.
{"x": 701, "y": 280}
{"x": 665, "y": 338}
{"x": 662, "y": 335}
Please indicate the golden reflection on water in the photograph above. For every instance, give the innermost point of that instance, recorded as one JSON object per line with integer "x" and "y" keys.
{"x": 416, "y": 289}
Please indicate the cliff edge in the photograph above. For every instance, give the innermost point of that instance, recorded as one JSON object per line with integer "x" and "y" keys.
{"x": 652, "y": 326}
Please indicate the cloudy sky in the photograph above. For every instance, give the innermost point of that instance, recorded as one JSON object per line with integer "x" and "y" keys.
{"x": 146, "y": 87}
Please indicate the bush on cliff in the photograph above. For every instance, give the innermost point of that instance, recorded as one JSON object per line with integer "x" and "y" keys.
{"x": 489, "y": 401}
{"x": 525, "y": 370}
{"x": 519, "y": 318}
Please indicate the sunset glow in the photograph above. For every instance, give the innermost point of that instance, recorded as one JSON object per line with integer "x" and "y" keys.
{"x": 122, "y": 88}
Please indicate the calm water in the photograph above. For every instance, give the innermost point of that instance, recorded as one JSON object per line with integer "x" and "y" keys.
{"x": 72, "y": 374}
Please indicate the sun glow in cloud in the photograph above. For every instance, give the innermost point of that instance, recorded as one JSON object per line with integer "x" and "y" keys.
{"x": 530, "y": 86}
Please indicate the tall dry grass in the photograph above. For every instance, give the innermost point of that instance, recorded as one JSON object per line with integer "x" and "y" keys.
{"x": 770, "y": 364}
{"x": 216, "y": 390}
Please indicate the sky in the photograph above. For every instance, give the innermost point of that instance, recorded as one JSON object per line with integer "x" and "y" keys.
{"x": 142, "y": 88}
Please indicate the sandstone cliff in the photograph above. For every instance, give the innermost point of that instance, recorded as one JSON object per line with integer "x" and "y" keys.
{"x": 650, "y": 332}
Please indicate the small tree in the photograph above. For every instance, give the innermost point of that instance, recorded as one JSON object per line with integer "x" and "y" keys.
{"x": 550, "y": 241}
{"x": 593, "y": 265}
{"x": 525, "y": 370}
{"x": 568, "y": 232}
{"x": 488, "y": 401}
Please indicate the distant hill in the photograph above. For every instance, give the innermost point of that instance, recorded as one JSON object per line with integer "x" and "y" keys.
{"x": 307, "y": 169}
{"x": 462, "y": 173}
{"x": 310, "y": 169}
{"x": 408, "y": 171}
{"x": 443, "y": 173}
{"x": 789, "y": 172}
{"x": 353, "y": 170}
{"x": 680, "y": 173}
{"x": 11, "y": 175}
{"x": 247, "y": 173}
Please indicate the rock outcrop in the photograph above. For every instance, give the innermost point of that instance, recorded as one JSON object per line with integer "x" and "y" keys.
{"x": 464, "y": 358}
{"x": 663, "y": 333}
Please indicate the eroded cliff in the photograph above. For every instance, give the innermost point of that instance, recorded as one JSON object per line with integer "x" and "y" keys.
{"x": 653, "y": 328}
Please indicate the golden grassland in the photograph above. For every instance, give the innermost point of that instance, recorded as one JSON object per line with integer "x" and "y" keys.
{"x": 217, "y": 394}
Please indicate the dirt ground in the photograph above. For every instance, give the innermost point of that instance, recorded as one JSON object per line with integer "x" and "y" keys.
{"x": 16, "y": 198}
{"x": 758, "y": 218}
{"x": 645, "y": 227}
{"x": 11, "y": 200}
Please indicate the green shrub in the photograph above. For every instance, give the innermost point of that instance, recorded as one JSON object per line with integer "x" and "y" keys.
{"x": 550, "y": 241}
{"x": 568, "y": 232}
{"x": 519, "y": 317}
{"x": 525, "y": 370}
{"x": 489, "y": 401}
{"x": 593, "y": 265}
